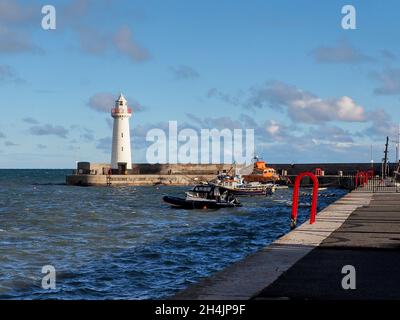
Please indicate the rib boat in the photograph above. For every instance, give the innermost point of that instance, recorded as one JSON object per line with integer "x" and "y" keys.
{"x": 238, "y": 187}
{"x": 205, "y": 197}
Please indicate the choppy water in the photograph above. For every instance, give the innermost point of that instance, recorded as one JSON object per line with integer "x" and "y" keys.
{"x": 122, "y": 242}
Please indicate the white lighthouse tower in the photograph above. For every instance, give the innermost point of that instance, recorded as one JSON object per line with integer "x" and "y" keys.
{"x": 121, "y": 157}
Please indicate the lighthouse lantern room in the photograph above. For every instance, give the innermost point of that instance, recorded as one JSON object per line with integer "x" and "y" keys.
{"x": 121, "y": 157}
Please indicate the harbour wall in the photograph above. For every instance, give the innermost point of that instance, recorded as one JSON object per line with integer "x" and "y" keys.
{"x": 101, "y": 174}
{"x": 136, "y": 180}
{"x": 246, "y": 278}
{"x": 199, "y": 169}
{"x": 151, "y": 169}
{"x": 143, "y": 174}
{"x": 328, "y": 168}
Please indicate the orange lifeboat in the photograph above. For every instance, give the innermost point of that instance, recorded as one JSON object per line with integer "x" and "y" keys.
{"x": 262, "y": 172}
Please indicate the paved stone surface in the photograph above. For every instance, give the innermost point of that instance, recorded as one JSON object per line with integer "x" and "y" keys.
{"x": 247, "y": 278}
{"x": 369, "y": 240}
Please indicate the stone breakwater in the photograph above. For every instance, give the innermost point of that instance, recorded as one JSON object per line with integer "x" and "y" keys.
{"x": 98, "y": 174}
{"x": 136, "y": 180}
{"x": 101, "y": 174}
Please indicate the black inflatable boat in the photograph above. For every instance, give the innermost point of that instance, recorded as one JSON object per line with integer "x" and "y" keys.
{"x": 205, "y": 197}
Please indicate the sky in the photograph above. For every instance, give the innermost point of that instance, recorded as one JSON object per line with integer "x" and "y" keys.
{"x": 311, "y": 90}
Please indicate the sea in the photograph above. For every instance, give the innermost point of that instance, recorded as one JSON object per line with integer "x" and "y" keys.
{"x": 124, "y": 242}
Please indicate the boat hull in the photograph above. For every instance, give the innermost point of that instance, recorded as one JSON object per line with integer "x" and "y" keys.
{"x": 248, "y": 191}
{"x": 237, "y": 192}
{"x": 198, "y": 204}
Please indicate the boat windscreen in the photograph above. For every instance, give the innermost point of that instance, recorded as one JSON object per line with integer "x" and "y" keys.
{"x": 202, "y": 189}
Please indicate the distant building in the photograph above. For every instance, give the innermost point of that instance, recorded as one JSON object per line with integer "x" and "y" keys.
{"x": 121, "y": 157}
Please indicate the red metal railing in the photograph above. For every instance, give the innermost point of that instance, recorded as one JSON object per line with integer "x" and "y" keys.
{"x": 362, "y": 178}
{"x": 370, "y": 174}
{"x": 120, "y": 110}
{"x": 295, "y": 203}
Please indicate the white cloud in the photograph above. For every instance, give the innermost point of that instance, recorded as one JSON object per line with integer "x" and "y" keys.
{"x": 382, "y": 125}
{"x": 304, "y": 106}
{"x": 126, "y": 44}
{"x": 12, "y": 12}
{"x": 273, "y": 128}
{"x": 16, "y": 21}
{"x": 8, "y": 74}
{"x": 183, "y": 72}
{"x": 342, "y": 52}
{"x": 48, "y": 129}
{"x": 389, "y": 81}
{"x": 104, "y": 101}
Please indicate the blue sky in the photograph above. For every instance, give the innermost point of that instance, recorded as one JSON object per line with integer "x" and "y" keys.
{"x": 312, "y": 91}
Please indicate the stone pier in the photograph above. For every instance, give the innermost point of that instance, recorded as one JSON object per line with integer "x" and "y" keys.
{"x": 361, "y": 230}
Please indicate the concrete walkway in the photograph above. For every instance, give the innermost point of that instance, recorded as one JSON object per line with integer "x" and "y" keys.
{"x": 369, "y": 240}
{"x": 307, "y": 262}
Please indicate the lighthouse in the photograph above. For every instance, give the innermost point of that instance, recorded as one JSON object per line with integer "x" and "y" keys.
{"x": 121, "y": 157}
